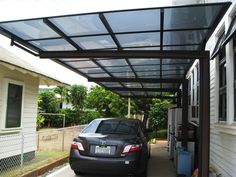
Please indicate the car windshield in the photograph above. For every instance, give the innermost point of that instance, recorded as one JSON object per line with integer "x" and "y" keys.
{"x": 118, "y": 127}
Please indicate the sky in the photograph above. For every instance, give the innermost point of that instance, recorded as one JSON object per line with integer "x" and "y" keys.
{"x": 25, "y": 9}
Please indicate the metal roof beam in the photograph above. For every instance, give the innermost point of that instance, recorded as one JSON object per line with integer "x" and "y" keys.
{"x": 165, "y": 54}
{"x": 144, "y": 89}
{"x": 144, "y": 80}
{"x": 157, "y": 96}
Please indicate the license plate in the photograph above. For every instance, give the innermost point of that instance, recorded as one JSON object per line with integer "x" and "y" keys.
{"x": 102, "y": 149}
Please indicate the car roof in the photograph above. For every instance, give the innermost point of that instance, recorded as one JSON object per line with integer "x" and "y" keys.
{"x": 115, "y": 118}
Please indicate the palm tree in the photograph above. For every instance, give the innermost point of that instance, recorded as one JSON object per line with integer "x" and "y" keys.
{"x": 76, "y": 96}
{"x": 63, "y": 92}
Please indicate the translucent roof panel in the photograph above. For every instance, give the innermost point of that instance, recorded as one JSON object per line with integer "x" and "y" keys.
{"x": 173, "y": 72}
{"x": 53, "y": 45}
{"x": 80, "y": 25}
{"x": 152, "y": 74}
{"x": 151, "y": 85}
{"x": 144, "y": 61}
{"x": 124, "y": 50}
{"x": 124, "y": 75}
{"x": 175, "y": 67}
{"x": 118, "y": 69}
{"x": 171, "y": 76}
{"x": 97, "y": 75}
{"x": 132, "y": 84}
{"x": 147, "y": 20}
{"x": 147, "y": 68}
{"x": 139, "y": 39}
{"x": 91, "y": 70}
{"x": 183, "y": 37}
{"x": 95, "y": 42}
{"x": 82, "y": 64}
{"x": 113, "y": 62}
{"x": 111, "y": 84}
{"x": 30, "y": 29}
{"x": 190, "y": 18}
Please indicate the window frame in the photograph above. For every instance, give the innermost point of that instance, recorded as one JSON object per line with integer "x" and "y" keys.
{"x": 234, "y": 67}
{"x": 222, "y": 85}
{"x": 5, "y": 86}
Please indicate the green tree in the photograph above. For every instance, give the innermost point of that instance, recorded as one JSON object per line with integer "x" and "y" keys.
{"x": 107, "y": 103}
{"x": 76, "y": 96}
{"x": 158, "y": 114}
{"x": 63, "y": 92}
{"x": 47, "y": 101}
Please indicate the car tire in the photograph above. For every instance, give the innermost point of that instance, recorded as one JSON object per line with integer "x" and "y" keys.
{"x": 77, "y": 173}
{"x": 143, "y": 174}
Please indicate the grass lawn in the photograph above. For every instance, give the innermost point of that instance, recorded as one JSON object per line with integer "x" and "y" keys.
{"x": 42, "y": 158}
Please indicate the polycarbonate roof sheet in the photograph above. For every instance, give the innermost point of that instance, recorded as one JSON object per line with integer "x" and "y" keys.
{"x": 177, "y": 28}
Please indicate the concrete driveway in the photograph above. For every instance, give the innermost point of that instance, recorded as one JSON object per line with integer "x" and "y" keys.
{"x": 159, "y": 164}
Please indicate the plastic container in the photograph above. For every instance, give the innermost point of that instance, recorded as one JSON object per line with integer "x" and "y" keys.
{"x": 184, "y": 163}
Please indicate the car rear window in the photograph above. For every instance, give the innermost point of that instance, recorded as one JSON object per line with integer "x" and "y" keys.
{"x": 118, "y": 127}
{"x": 92, "y": 127}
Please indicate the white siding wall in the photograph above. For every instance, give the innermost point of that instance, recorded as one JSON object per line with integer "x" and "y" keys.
{"x": 222, "y": 136}
{"x": 29, "y": 113}
{"x": 222, "y": 144}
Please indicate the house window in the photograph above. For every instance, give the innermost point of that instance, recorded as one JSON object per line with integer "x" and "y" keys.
{"x": 193, "y": 88}
{"x": 189, "y": 90}
{"x": 14, "y": 105}
{"x": 197, "y": 67}
{"x": 222, "y": 85}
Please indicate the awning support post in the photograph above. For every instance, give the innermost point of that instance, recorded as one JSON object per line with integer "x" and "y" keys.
{"x": 204, "y": 118}
{"x": 179, "y": 98}
{"x": 128, "y": 108}
{"x": 184, "y": 137}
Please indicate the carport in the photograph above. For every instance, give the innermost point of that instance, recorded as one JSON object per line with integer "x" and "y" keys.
{"x": 135, "y": 53}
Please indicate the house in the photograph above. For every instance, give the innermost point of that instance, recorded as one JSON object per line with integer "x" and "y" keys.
{"x": 222, "y": 46}
{"x": 19, "y": 82}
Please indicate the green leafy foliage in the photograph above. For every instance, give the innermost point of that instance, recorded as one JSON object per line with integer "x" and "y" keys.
{"x": 76, "y": 96}
{"x": 63, "y": 92}
{"x": 70, "y": 116}
{"x": 107, "y": 103}
{"x": 47, "y": 101}
{"x": 158, "y": 114}
{"x": 40, "y": 121}
{"x": 89, "y": 115}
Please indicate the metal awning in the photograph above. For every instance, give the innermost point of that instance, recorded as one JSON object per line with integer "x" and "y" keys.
{"x": 231, "y": 31}
{"x": 136, "y": 53}
{"x": 218, "y": 46}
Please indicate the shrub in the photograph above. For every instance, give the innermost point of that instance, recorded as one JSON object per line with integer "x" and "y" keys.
{"x": 40, "y": 121}
{"x": 89, "y": 115}
{"x": 71, "y": 116}
{"x": 161, "y": 134}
